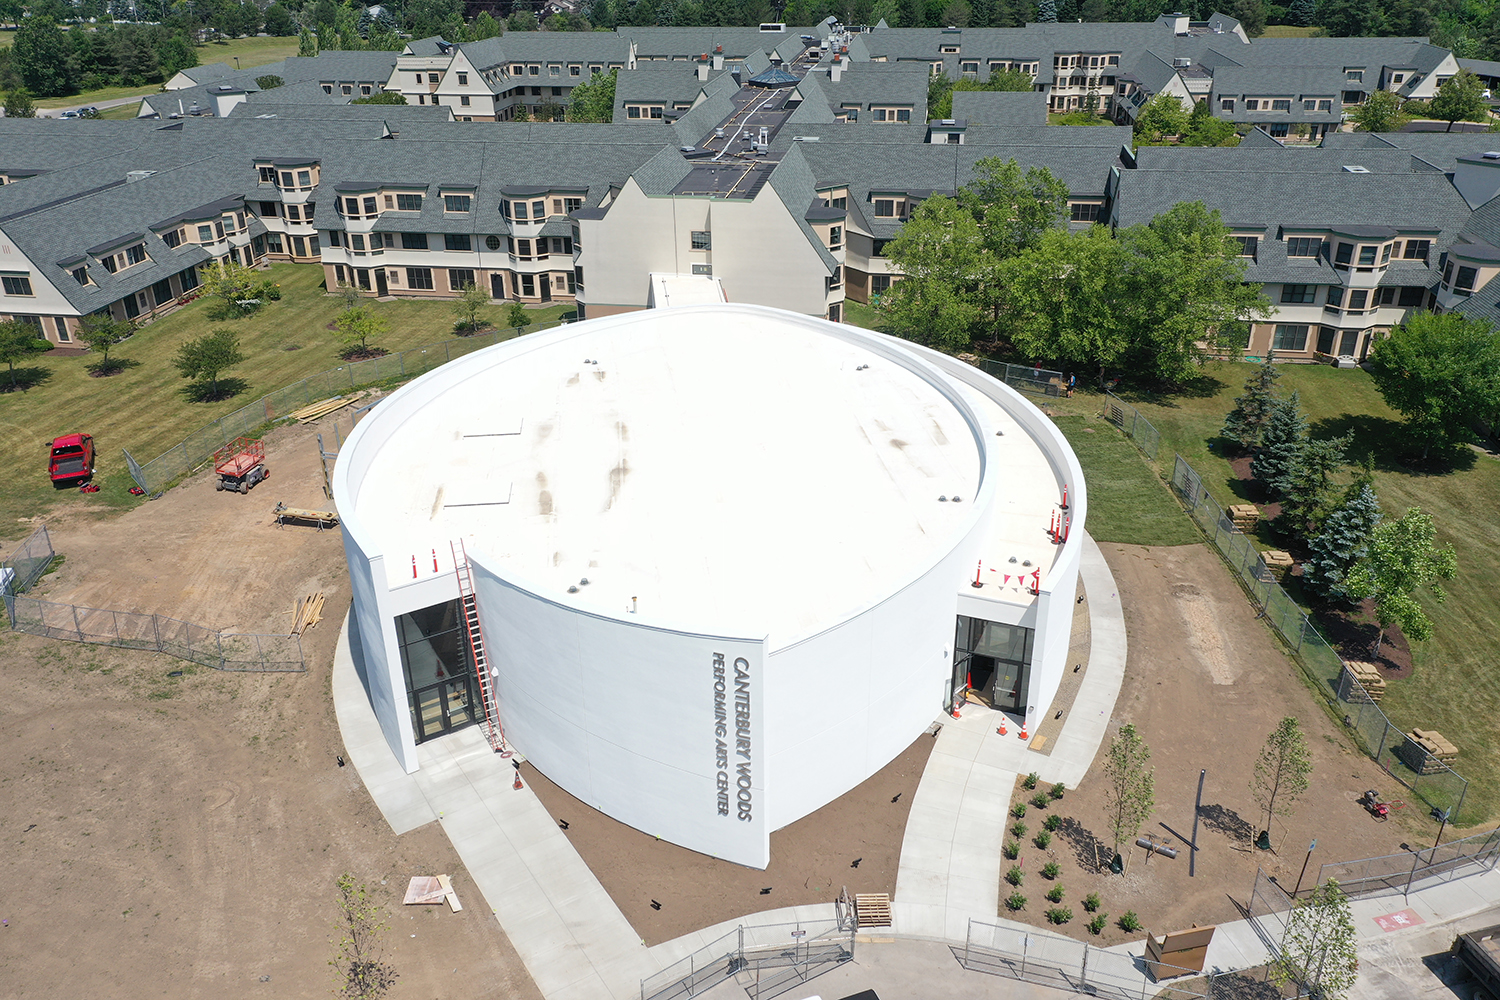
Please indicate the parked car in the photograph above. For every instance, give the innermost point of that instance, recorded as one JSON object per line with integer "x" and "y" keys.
{"x": 70, "y": 113}
{"x": 72, "y": 459}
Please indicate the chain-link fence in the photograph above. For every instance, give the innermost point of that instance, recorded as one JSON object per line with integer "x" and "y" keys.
{"x": 133, "y": 630}
{"x": 1431, "y": 780}
{"x": 1027, "y": 378}
{"x": 26, "y": 564}
{"x": 1414, "y": 870}
{"x": 1130, "y": 420}
{"x": 1269, "y": 910}
{"x": 765, "y": 961}
{"x": 197, "y": 448}
{"x": 1062, "y": 963}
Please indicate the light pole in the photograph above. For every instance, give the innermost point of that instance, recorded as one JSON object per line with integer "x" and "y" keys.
{"x": 1310, "y": 848}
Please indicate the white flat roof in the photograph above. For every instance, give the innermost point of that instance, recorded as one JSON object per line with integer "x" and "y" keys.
{"x": 730, "y": 470}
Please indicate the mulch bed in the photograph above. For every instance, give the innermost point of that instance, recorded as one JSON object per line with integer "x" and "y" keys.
{"x": 356, "y": 354}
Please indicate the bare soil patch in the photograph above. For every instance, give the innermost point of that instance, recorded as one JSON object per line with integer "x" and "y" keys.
{"x": 179, "y": 836}
{"x": 811, "y": 860}
{"x": 1205, "y": 683}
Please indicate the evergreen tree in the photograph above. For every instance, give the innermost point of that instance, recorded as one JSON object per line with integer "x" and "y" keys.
{"x": 306, "y": 44}
{"x": 1303, "y": 12}
{"x": 1282, "y": 441}
{"x": 1047, "y": 12}
{"x": 1247, "y": 421}
{"x": 1344, "y": 541}
{"x": 1308, "y": 486}
{"x": 43, "y": 57}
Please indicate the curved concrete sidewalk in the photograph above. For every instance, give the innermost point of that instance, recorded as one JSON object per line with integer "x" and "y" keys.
{"x": 950, "y": 856}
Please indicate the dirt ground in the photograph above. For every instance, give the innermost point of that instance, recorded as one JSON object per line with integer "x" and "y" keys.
{"x": 181, "y": 836}
{"x": 1204, "y": 685}
{"x": 853, "y": 841}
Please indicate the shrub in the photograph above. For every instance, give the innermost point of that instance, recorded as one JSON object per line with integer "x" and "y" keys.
{"x": 1015, "y": 901}
{"x": 1012, "y": 850}
{"x": 1053, "y": 822}
{"x": 1042, "y": 840}
{"x": 1040, "y": 800}
{"x": 1031, "y": 780}
{"x": 1057, "y": 790}
{"x": 1055, "y": 894}
{"x": 1018, "y": 829}
{"x": 1015, "y": 876}
{"x": 1091, "y": 902}
{"x": 1059, "y": 915}
{"x": 1050, "y": 870}
{"x": 1018, "y": 810}
{"x": 1130, "y": 922}
{"x": 1097, "y": 924}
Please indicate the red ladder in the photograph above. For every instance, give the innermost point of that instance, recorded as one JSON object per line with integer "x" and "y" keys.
{"x": 493, "y": 730}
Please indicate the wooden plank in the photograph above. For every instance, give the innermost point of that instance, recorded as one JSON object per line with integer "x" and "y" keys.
{"x": 452, "y": 897}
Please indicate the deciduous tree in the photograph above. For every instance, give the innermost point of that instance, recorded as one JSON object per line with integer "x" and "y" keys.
{"x": 356, "y": 326}
{"x": 467, "y": 306}
{"x": 359, "y": 955}
{"x": 1281, "y": 770}
{"x": 1380, "y": 113}
{"x": 19, "y": 342}
{"x": 1403, "y": 561}
{"x": 1460, "y": 99}
{"x": 1441, "y": 372}
{"x": 1129, "y": 785}
{"x": 101, "y": 331}
{"x": 1063, "y": 299}
{"x": 208, "y": 357}
{"x": 43, "y": 58}
{"x": 1162, "y": 116}
{"x": 18, "y": 103}
{"x": 1319, "y": 949}
{"x": 943, "y": 257}
{"x": 1012, "y": 207}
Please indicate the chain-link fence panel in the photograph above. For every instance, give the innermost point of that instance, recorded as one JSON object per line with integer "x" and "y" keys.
{"x": 1413, "y": 870}
{"x": 27, "y": 562}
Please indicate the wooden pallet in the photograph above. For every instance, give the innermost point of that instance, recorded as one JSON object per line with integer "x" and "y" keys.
{"x": 873, "y": 909}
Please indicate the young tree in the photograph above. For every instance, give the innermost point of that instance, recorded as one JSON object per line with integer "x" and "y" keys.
{"x": 101, "y": 332}
{"x": 307, "y": 44}
{"x": 1247, "y": 421}
{"x": 1403, "y": 561}
{"x": 1319, "y": 949}
{"x": 941, "y": 253}
{"x": 358, "y": 959}
{"x": 1441, "y": 372}
{"x": 515, "y": 317}
{"x": 18, "y": 103}
{"x": 1343, "y": 542}
{"x": 1281, "y": 771}
{"x": 473, "y": 299}
{"x": 1460, "y": 99}
{"x": 1308, "y": 495}
{"x": 1282, "y": 441}
{"x": 233, "y": 283}
{"x": 594, "y": 99}
{"x": 19, "y": 342}
{"x": 1381, "y": 113}
{"x": 1162, "y": 116}
{"x": 355, "y": 328}
{"x": 1047, "y": 12}
{"x": 1129, "y": 785}
{"x": 1203, "y": 129}
{"x": 384, "y": 97}
{"x": 208, "y": 357}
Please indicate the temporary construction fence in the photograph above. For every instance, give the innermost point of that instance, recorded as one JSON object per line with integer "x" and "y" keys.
{"x": 1435, "y": 783}
{"x": 765, "y": 961}
{"x": 1027, "y": 378}
{"x": 133, "y": 630}
{"x": 1062, "y": 963}
{"x": 27, "y": 563}
{"x": 1269, "y": 910}
{"x": 1135, "y": 426}
{"x": 196, "y": 449}
{"x": 1414, "y": 870}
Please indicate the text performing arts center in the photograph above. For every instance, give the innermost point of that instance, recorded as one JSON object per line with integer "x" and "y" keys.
{"x": 728, "y": 561}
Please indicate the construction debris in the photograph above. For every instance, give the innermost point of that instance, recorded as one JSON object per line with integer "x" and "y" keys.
{"x": 322, "y": 408}
{"x": 873, "y": 909}
{"x": 424, "y": 889}
{"x": 308, "y": 613}
{"x": 322, "y": 518}
{"x": 452, "y": 897}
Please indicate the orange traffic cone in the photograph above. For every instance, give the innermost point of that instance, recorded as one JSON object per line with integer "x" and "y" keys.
{"x": 1001, "y": 730}
{"x": 1022, "y": 734}
{"x": 518, "y": 786}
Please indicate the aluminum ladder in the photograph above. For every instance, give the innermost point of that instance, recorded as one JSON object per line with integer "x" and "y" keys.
{"x": 493, "y": 730}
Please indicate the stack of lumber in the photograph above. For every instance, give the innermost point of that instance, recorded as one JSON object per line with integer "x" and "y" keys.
{"x": 1369, "y": 678}
{"x": 1278, "y": 562}
{"x": 1245, "y": 516}
{"x": 427, "y": 889}
{"x": 319, "y": 409}
{"x": 873, "y": 909}
{"x": 1426, "y": 751}
{"x": 308, "y": 613}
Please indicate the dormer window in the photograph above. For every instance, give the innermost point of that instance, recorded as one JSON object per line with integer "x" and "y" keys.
{"x": 80, "y": 275}
{"x": 1354, "y": 76}
{"x": 457, "y": 202}
{"x": 268, "y": 175}
{"x": 404, "y": 203}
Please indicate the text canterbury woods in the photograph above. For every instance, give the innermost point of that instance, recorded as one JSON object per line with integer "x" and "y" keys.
{"x": 741, "y": 779}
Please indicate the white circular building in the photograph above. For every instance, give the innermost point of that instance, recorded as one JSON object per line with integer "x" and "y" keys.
{"x": 724, "y": 558}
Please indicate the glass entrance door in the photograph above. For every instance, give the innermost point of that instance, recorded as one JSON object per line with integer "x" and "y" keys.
{"x": 442, "y": 690}
{"x": 994, "y": 661}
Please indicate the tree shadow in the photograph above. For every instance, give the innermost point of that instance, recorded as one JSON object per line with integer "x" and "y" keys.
{"x": 1200, "y": 386}
{"x": 1089, "y": 851}
{"x": 1391, "y": 445}
{"x": 221, "y": 310}
{"x": 207, "y": 392}
{"x": 114, "y": 366}
{"x": 25, "y": 378}
{"x": 1222, "y": 819}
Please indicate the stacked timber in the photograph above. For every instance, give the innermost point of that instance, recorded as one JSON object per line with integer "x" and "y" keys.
{"x": 1369, "y": 679}
{"x": 1245, "y": 516}
{"x": 1278, "y": 562}
{"x": 1426, "y": 751}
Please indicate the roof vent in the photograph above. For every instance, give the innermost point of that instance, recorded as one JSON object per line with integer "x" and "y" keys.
{"x": 131, "y": 176}
{"x": 1492, "y": 155}
{"x": 1355, "y": 169}
{"x": 949, "y": 121}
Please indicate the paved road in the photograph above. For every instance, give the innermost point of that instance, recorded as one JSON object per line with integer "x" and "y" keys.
{"x": 101, "y": 105}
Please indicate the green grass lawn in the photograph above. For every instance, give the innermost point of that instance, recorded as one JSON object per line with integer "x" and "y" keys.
{"x": 1455, "y": 688}
{"x": 143, "y": 408}
{"x": 1287, "y": 31}
{"x": 123, "y": 112}
{"x": 251, "y": 52}
{"x": 1128, "y": 502}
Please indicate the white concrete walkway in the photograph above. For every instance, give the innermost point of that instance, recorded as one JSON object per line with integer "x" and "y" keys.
{"x": 950, "y": 856}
